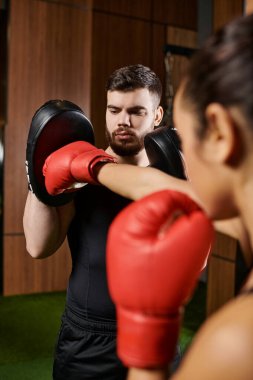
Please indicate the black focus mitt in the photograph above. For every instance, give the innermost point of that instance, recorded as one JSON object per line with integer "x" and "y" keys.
{"x": 55, "y": 124}
{"x": 163, "y": 150}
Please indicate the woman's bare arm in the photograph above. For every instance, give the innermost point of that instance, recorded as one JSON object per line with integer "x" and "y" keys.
{"x": 135, "y": 182}
{"x": 147, "y": 374}
{"x": 221, "y": 350}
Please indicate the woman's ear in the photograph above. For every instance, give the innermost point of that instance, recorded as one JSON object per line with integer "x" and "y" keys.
{"x": 158, "y": 115}
{"x": 222, "y": 134}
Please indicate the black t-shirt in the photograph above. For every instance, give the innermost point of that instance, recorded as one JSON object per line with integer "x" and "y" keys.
{"x": 88, "y": 293}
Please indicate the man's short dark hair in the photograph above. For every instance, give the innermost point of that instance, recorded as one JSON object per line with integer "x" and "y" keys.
{"x": 133, "y": 77}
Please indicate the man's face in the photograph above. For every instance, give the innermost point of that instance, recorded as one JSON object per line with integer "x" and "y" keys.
{"x": 129, "y": 117}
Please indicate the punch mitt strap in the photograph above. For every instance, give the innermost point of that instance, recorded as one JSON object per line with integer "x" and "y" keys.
{"x": 54, "y": 125}
{"x": 163, "y": 150}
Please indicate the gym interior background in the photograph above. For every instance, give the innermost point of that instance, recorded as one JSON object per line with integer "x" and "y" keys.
{"x": 65, "y": 49}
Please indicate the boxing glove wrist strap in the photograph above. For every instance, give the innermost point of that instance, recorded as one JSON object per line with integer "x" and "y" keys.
{"x": 146, "y": 341}
{"x": 85, "y": 167}
{"x": 97, "y": 163}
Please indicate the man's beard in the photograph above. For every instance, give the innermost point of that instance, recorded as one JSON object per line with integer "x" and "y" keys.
{"x": 129, "y": 147}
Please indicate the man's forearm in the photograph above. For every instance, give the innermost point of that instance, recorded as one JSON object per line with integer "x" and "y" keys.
{"x": 44, "y": 227}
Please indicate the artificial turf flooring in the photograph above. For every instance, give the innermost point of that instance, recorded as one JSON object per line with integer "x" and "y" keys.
{"x": 29, "y": 326}
{"x": 28, "y": 330}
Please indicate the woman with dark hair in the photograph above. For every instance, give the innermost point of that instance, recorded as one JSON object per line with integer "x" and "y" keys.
{"x": 213, "y": 113}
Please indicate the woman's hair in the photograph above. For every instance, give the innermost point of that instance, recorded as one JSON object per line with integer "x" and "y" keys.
{"x": 133, "y": 77}
{"x": 222, "y": 71}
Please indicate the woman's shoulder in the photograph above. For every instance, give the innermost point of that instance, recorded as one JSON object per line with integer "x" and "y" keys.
{"x": 222, "y": 349}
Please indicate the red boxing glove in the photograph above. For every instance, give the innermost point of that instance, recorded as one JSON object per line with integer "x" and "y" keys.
{"x": 84, "y": 165}
{"x": 79, "y": 155}
{"x": 156, "y": 249}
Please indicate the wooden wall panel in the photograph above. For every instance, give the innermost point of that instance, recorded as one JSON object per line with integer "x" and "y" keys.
{"x": 158, "y": 41}
{"x": 41, "y": 67}
{"x": 226, "y": 10}
{"x": 182, "y": 37}
{"x": 221, "y": 283}
{"x": 80, "y": 4}
{"x": 221, "y": 275}
{"x": 185, "y": 38}
{"x": 140, "y": 9}
{"x": 46, "y": 60}
{"x": 180, "y": 13}
{"x": 24, "y": 275}
{"x": 3, "y": 43}
{"x": 225, "y": 247}
{"x": 117, "y": 41}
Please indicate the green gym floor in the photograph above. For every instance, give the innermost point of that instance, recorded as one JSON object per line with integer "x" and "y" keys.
{"x": 29, "y": 325}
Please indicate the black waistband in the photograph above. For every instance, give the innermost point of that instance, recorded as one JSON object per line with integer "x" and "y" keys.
{"x": 105, "y": 326}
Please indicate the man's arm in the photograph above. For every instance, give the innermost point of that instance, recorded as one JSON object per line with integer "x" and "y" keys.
{"x": 45, "y": 227}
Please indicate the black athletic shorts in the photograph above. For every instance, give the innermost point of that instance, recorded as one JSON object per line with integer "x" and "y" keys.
{"x": 86, "y": 350}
